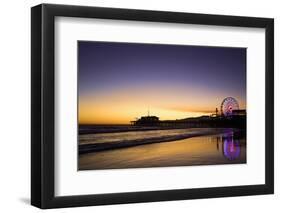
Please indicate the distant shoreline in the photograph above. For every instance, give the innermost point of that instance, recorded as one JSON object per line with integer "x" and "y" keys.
{"x": 96, "y": 147}
{"x": 123, "y": 128}
{"x": 129, "y": 128}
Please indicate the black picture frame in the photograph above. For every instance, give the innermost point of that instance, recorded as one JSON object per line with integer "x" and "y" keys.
{"x": 43, "y": 110}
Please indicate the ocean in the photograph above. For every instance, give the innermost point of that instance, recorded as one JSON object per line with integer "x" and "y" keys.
{"x": 161, "y": 148}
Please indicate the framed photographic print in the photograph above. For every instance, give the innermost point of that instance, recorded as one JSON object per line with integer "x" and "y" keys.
{"x": 139, "y": 106}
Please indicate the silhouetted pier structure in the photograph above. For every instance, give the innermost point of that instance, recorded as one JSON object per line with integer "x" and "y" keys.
{"x": 231, "y": 116}
{"x": 237, "y": 119}
{"x": 147, "y": 121}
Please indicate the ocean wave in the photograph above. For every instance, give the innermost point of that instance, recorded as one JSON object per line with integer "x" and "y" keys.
{"x": 122, "y": 142}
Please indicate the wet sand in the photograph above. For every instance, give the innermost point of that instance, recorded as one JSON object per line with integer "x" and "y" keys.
{"x": 201, "y": 150}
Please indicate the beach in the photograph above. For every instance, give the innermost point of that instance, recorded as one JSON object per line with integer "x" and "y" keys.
{"x": 161, "y": 148}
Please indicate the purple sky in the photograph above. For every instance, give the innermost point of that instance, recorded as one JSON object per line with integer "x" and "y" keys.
{"x": 108, "y": 67}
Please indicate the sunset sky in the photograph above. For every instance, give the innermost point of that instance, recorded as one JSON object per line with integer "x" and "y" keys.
{"x": 119, "y": 82}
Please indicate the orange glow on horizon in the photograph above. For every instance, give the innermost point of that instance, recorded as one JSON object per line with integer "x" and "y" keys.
{"x": 123, "y": 106}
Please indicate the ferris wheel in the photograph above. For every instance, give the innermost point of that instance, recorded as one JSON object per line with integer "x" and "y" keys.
{"x": 228, "y": 105}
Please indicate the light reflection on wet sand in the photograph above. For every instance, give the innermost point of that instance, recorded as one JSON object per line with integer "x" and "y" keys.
{"x": 203, "y": 150}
